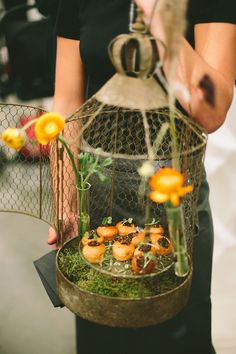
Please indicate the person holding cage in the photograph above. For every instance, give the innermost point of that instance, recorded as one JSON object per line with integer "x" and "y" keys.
{"x": 206, "y": 65}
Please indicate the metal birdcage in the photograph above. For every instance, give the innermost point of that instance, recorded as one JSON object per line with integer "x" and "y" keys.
{"x": 130, "y": 121}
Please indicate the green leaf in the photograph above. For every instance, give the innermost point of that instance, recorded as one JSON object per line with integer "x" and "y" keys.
{"x": 150, "y": 256}
{"x": 107, "y": 162}
{"x": 86, "y": 234}
{"x": 102, "y": 178}
{"x": 153, "y": 222}
{"x": 139, "y": 244}
{"x": 127, "y": 221}
{"x": 107, "y": 221}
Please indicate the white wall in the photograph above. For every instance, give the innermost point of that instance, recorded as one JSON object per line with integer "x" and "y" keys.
{"x": 221, "y": 170}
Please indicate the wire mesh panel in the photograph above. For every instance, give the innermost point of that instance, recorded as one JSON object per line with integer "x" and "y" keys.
{"x": 25, "y": 176}
{"x": 131, "y": 137}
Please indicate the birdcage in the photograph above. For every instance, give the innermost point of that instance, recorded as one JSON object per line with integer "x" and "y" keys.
{"x": 127, "y": 126}
{"x": 130, "y": 121}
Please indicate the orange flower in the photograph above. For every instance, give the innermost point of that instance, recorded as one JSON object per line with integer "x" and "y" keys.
{"x": 14, "y": 138}
{"x": 167, "y": 185}
{"x": 48, "y": 127}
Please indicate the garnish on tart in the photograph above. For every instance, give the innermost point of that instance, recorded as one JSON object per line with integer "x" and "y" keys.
{"x": 143, "y": 264}
{"x": 154, "y": 227}
{"x": 163, "y": 246}
{"x": 94, "y": 251}
{"x": 123, "y": 249}
{"x": 107, "y": 230}
{"x": 125, "y": 227}
{"x": 144, "y": 248}
{"x": 90, "y": 236}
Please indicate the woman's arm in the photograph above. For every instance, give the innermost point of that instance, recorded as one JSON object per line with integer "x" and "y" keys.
{"x": 69, "y": 83}
{"x": 214, "y": 55}
{"x": 69, "y": 95}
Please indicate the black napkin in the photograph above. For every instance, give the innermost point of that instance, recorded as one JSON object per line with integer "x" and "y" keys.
{"x": 46, "y": 268}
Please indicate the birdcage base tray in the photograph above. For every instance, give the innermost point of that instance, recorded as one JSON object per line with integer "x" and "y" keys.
{"x": 117, "y": 311}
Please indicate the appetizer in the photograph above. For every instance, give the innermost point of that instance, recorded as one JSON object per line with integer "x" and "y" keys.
{"x": 94, "y": 251}
{"x": 154, "y": 228}
{"x": 126, "y": 227}
{"x": 163, "y": 246}
{"x": 155, "y": 237}
{"x": 143, "y": 264}
{"x": 123, "y": 249}
{"x": 137, "y": 237}
{"x": 107, "y": 230}
{"x": 90, "y": 236}
{"x": 144, "y": 248}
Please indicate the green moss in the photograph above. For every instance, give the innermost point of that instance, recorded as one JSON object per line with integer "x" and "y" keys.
{"x": 73, "y": 267}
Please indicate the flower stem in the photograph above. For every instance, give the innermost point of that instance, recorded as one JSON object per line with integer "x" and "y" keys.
{"x": 28, "y": 124}
{"x": 177, "y": 234}
{"x": 175, "y": 157}
{"x": 71, "y": 157}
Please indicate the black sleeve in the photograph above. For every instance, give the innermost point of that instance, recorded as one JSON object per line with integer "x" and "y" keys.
{"x": 205, "y": 11}
{"x": 68, "y": 19}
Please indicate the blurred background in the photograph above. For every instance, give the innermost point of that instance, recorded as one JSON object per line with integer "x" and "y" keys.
{"x": 29, "y": 324}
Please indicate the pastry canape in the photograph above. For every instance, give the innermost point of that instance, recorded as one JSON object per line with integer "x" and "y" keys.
{"x": 154, "y": 228}
{"x": 91, "y": 236}
{"x": 126, "y": 227}
{"x": 154, "y": 238}
{"x": 137, "y": 237}
{"x": 143, "y": 264}
{"x": 123, "y": 249}
{"x": 94, "y": 251}
{"x": 144, "y": 248}
{"x": 163, "y": 246}
{"x": 107, "y": 230}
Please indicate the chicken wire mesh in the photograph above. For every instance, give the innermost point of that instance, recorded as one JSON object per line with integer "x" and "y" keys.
{"x": 25, "y": 176}
{"x": 129, "y": 136}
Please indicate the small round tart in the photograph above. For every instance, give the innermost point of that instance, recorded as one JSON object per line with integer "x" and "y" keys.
{"x": 91, "y": 236}
{"x": 143, "y": 249}
{"x": 108, "y": 232}
{"x": 138, "y": 237}
{"x": 126, "y": 227}
{"x": 94, "y": 251}
{"x": 163, "y": 246}
{"x": 141, "y": 265}
{"x": 154, "y": 238}
{"x": 154, "y": 229}
{"x": 123, "y": 249}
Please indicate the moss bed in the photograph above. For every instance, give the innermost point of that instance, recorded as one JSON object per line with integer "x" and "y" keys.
{"x": 77, "y": 271}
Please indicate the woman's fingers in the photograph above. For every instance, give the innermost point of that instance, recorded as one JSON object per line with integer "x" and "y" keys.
{"x": 70, "y": 230}
{"x": 52, "y": 236}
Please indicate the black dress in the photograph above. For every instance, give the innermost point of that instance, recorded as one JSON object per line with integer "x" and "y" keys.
{"x": 95, "y": 23}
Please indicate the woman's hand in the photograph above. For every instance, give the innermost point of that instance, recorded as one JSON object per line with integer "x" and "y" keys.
{"x": 70, "y": 229}
{"x": 213, "y": 58}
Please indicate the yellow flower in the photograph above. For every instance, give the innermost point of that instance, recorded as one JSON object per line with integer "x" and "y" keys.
{"x": 14, "y": 138}
{"x": 48, "y": 127}
{"x": 167, "y": 185}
